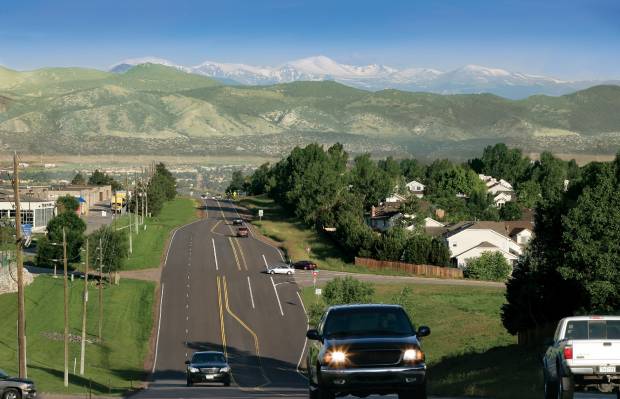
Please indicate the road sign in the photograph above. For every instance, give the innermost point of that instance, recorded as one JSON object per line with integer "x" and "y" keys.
{"x": 315, "y": 273}
{"x": 260, "y": 214}
{"x": 318, "y": 291}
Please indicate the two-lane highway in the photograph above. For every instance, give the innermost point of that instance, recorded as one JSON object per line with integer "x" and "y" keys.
{"x": 217, "y": 296}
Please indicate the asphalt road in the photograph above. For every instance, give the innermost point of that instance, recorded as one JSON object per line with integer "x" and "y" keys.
{"x": 216, "y": 296}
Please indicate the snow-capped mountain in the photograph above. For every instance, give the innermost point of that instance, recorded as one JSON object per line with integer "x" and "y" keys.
{"x": 467, "y": 79}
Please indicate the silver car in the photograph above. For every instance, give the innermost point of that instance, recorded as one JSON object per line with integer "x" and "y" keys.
{"x": 281, "y": 269}
{"x": 16, "y": 388}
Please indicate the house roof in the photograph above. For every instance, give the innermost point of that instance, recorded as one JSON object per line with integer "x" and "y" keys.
{"x": 517, "y": 226}
{"x": 386, "y": 211}
{"x": 435, "y": 231}
{"x": 498, "y": 227}
{"x": 489, "y": 246}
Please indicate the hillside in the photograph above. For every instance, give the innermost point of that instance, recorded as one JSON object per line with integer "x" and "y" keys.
{"x": 150, "y": 108}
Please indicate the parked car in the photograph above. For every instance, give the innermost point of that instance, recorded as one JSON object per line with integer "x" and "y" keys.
{"x": 281, "y": 269}
{"x": 584, "y": 355}
{"x": 237, "y": 222}
{"x": 365, "y": 350}
{"x": 16, "y": 388}
{"x": 242, "y": 232}
{"x": 209, "y": 366}
{"x": 305, "y": 265}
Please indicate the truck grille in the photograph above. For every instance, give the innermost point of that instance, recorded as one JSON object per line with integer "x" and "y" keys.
{"x": 210, "y": 370}
{"x": 363, "y": 358}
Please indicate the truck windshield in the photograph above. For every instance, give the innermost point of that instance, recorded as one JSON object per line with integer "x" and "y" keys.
{"x": 367, "y": 321}
{"x": 593, "y": 329}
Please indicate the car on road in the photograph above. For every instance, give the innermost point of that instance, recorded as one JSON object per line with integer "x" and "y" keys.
{"x": 304, "y": 265}
{"x": 16, "y": 388}
{"x": 208, "y": 366}
{"x": 281, "y": 269}
{"x": 365, "y": 350}
{"x": 583, "y": 355}
{"x": 242, "y": 232}
{"x": 237, "y": 222}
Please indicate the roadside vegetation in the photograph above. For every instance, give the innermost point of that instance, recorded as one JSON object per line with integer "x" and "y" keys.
{"x": 469, "y": 352}
{"x": 113, "y": 365}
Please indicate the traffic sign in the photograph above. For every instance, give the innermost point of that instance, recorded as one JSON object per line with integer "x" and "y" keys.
{"x": 318, "y": 291}
{"x": 315, "y": 273}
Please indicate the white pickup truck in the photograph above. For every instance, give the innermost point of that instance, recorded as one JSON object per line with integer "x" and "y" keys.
{"x": 584, "y": 355}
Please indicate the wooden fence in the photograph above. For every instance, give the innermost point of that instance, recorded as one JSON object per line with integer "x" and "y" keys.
{"x": 409, "y": 268}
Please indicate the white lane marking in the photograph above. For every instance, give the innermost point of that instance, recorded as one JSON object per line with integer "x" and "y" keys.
{"x": 161, "y": 302}
{"x": 277, "y": 296}
{"x": 266, "y": 265}
{"x": 170, "y": 245}
{"x": 215, "y": 254}
{"x": 251, "y": 296}
{"x": 303, "y": 350}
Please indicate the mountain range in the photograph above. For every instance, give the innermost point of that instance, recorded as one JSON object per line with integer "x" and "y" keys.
{"x": 469, "y": 79}
{"x": 152, "y": 108}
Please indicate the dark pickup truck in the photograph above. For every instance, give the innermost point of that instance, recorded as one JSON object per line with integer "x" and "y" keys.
{"x": 363, "y": 350}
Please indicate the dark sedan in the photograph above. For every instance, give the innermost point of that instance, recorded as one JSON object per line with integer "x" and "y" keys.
{"x": 208, "y": 367}
{"x": 363, "y": 350}
{"x": 237, "y": 222}
{"x": 305, "y": 265}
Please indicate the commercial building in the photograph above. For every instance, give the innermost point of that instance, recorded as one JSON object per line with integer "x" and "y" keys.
{"x": 35, "y": 212}
{"x": 88, "y": 196}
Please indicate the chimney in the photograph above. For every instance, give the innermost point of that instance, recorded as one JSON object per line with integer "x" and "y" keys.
{"x": 373, "y": 211}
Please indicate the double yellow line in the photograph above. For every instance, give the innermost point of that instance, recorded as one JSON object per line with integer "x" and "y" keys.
{"x": 234, "y": 243}
{"x": 222, "y": 328}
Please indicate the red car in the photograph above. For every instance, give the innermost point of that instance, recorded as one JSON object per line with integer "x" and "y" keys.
{"x": 305, "y": 265}
{"x": 242, "y": 232}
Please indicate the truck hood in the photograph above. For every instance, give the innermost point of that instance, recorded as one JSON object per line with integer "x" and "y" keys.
{"x": 19, "y": 380}
{"x": 369, "y": 342}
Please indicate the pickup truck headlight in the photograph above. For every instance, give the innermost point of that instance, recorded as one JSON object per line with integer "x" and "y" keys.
{"x": 225, "y": 370}
{"x": 194, "y": 370}
{"x": 336, "y": 357}
{"x": 413, "y": 355}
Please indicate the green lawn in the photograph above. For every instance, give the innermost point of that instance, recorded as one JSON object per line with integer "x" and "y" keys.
{"x": 111, "y": 365}
{"x": 469, "y": 352}
{"x": 148, "y": 245}
{"x": 295, "y": 237}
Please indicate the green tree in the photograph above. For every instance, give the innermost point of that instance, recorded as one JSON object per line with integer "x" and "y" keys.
{"x": 67, "y": 203}
{"x": 369, "y": 181}
{"x": 347, "y": 290}
{"x": 78, "y": 179}
{"x": 510, "y": 211}
{"x": 49, "y": 248}
{"x": 390, "y": 167}
{"x": 412, "y": 169}
{"x": 99, "y": 178}
{"x": 503, "y": 163}
{"x": 237, "y": 182}
{"x": 114, "y": 248}
{"x": 529, "y": 193}
{"x": 491, "y": 266}
{"x": 422, "y": 249}
{"x": 392, "y": 244}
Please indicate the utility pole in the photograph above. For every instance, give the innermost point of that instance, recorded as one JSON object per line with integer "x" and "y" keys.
{"x": 21, "y": 309}
{"x": 100, "y": 288}
{"x": 137, "y": 207}
{"x": 128, "y": 212}
{"x": 143, "y": 201}
{"x": 85, "y": 301}
{"x": 64, "y": 252}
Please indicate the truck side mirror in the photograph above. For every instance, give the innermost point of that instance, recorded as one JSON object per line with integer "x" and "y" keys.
{"x": 423, "y": 331}
{"x": 187, "y": 362}
{"x": 313, "y": 335}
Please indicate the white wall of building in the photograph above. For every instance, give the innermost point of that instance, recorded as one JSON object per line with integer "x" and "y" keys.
{"x": 469, "y": 238}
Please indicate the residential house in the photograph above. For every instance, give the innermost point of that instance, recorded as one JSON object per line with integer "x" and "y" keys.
{"x": 428, "y": 223}
{"x": 501, "y": 198}
{"x": 468, "y": 240}
{"x": 521, "y": 231}
{"x": 416, "y": 188}
{"x": 384, "y": 216}
{"x": 396, "y": 198}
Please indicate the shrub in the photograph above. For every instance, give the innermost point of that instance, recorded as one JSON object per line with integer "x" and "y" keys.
{"x": 341, "y": 291}
{"x": 489, "y": 266}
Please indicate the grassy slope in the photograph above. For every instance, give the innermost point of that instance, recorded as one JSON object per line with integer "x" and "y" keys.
{"x": 469, "y": 352}
{"x": 294, "y": 237}
{"x": 148, "y": 246}
{"x": 114, "y": 363}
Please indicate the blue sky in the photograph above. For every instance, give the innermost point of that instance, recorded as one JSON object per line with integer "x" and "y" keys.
{"x": 570, "y": 39}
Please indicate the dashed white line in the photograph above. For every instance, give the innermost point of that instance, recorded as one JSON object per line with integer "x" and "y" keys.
{"x": 277, "y": 296}
{"x": 266, "y": 265}
{"x": 251, "y": 296}
{"x": 161, "y": 302}
{"x": 215, "y": 254}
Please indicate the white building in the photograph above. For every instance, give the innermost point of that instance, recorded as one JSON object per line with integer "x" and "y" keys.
{"x": 395, "y": 198}
{"x": 464, "y": 241}
{"x": 501, "y": 198}
{"x": 34, "y": 212}
{"x": 416, "y": 188}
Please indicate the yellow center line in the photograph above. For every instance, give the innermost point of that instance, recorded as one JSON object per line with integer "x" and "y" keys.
{"x": 222, "y": 328}
{"x": 245, "y": 264}
{"x": 230, "y": 240}
{"x": 256, "y": 342}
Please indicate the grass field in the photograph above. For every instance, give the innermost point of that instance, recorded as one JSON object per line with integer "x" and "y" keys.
{"x": 148, "y": 246}
{"x": 111, "y": 365}
{"x": 469, "y": 353}
{"x": 295, "y": 237}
